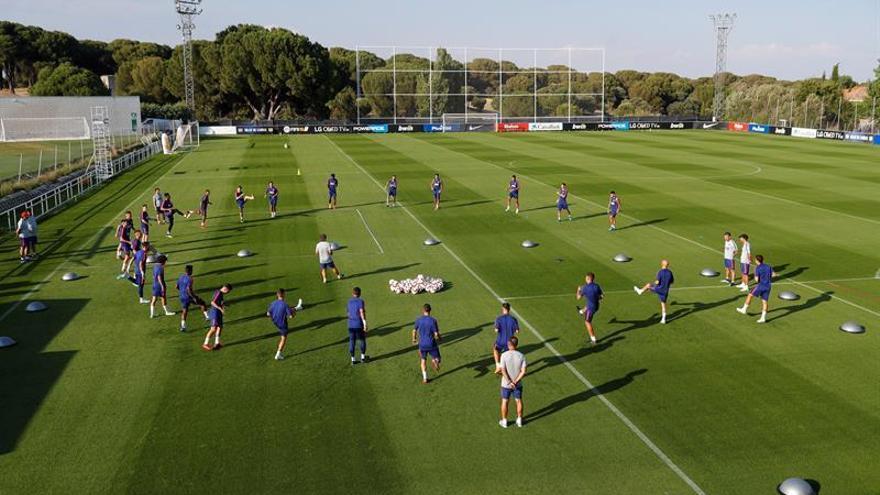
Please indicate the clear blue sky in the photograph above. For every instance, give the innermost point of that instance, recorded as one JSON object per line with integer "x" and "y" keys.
{"x": 787, "y": 39}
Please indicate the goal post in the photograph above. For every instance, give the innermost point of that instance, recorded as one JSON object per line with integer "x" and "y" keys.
{"x": 489, "y": 119}
{"x": 20, "y": 129}
{"x": 185, "y": 138}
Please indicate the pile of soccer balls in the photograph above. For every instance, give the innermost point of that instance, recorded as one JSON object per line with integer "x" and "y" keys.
{"x": 416, "y": 285}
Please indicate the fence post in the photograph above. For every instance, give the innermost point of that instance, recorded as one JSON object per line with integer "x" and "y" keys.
{"x": 20, "y": 163}
{"x": 56, "y": 157}
{"x": 68, "y": 154}
{"x": 873, "y": 113}
{"x": 40, "y": 166}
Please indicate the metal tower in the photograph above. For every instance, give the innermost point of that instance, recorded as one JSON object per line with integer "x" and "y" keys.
{"x": 102, "y": 142}
{"x": 723, "y": 25}
{"x": 187, "y": 9}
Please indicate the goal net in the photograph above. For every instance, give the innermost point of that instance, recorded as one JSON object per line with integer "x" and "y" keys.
{"x": 43, "y": 129}
{"x": 182, "y": 137}
{"x": 482, "y": 119}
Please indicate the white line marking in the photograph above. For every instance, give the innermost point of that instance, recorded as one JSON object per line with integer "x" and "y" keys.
{"x": 626, "y": 421}
{"x": 36, "y": 288}
{"x": 659, "y": 229}
{"x": 802, "y": 284}
{"x": 364, "y": 220}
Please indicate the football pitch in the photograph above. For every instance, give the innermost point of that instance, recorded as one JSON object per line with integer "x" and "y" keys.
{"x": 98, "y": 398}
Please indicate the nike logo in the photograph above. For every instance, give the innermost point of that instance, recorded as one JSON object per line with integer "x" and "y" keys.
{"x": 709, "y": 126}
{"x": 474, "y": 127}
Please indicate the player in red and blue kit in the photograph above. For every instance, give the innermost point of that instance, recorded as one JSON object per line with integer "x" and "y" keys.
{"x": 357, "y": 324}
{"x": 436, "y": 190}
{"x": 204, "y": 202}
{"x": 140, "y": 270}
{"x": 124, "y": 251}
{"x": 136, "y": 244}
{"x": 145, "y": 223}
{"x": 272, "y": 195}
{"x": 241, "y": 199}
{"x": 426, "y": 333}
{"x": 188, "y": 296}
{"x": 764, "y": 275}
{"x": 506, "y": 326}
{"x": 613, "y": 210}
{"x": 169, "y": 211}
{"x": 160, "y": 288}
{"x": 512, "y": 193}
{"x": 332, "y": 185}
{"x": 562, "y": 202}
{"x": 216, "y": 314}
{"x": 391, "y": 189}
{"x": 279, "y": 312}
{"x": 592, "y": 293}
{"x": 660, "y": 286}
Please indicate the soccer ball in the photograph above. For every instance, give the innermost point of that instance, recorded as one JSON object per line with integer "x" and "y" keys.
{"x": 286, "y": 145}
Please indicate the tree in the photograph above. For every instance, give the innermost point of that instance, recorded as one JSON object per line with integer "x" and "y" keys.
{"x": 874, "y": 86}
{"x": 835, "y": 72}
{"x": 343, "y": 106}
{"x": 210, "y": 102}
{"x": 633, "y": 107}
{"x": 68, "y": 80}
{"x": 95, "y": 56}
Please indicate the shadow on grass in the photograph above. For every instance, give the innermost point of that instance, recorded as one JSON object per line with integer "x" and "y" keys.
{"x": 697, "y": 306}
{"x": 575, "y": 356}
{"x": 643, "y": 224}
{"x": 485, "y": 366}
{"x": 604, "y": 389}
{"x": 447, "y": 339}
{"x": 808, "y": 304}
{"x": 382, "y": 270}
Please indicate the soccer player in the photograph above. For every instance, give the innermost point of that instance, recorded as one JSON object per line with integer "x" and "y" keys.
{"x": 21, "y": 231}
{"x": 157, "y": 202}
{"x": 513, "y": 369}
{"x": 562, "y": 202}
{"x": 272, "y": 194}
{"x": 30, "y": 235}
{"x": 332, "y": 185}
{"x": 279, "y": 312}
{"x": 324, "y": 250}
{"x": 160, "y": 288}
{"x": 357, "y": 324}
{"x": 513, "y": 193}
{"x": 592, "y": 293}
{"x": 613, "y": 210}
{"x": 426, "y": 333}
{"x": 506, "y": 326}
{"x": 188, "y": 296}
{"x": 241, "y": 199}
{"x": 391, "y": 188}
{"x": 136, "y": 242}
{"x": 123, "y": 235}
{"x": 436, "y": 190}
{"x": 140, "y": 270}
{"x": 169, "y": 211}
{"x": 204, "y": 202}
{"x": 745, "y": 262}
{"x": 660, "y": 286}
{"x": 729, "y": 263}
{"x": 763, "y": 275}
{"x": 216, "y": 314}
{"x": 145, "y": 223}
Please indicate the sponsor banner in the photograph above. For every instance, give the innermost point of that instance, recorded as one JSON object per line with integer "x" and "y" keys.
{"x": 781, "y": 131}
{"x": 710, "y": 125}
{"x": 679, "y": 125}
{"x": 855, "y": 136}
{"x": 568, "y": 126}
{"x": 404, "y": 128}
{"x": 378, "y": 128}
{"x": 254, "y": 129}
{"x": 877, "y": 139}
{"x": 820, "y": 134}
{"x": 620, "y": 126}
{"x": 603, "y": 126}
{"x": 441, "y": 128}
{"x": 217, "y": 130}
{"x": 479, "y": 128}
{"x": 513, "y": 127}
{"x": 803, "y": 133}
{"x": 738, "y": 126}
{"x": 644, "y": 126}
{"x": 763, "y": 129}
{"x": 332, "y": 129}
{"x": 545, "y": 126}
{"x": 297, "y": 129}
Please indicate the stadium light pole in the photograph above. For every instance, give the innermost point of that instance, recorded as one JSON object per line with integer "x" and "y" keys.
{"x": 723, "y": 24}
{"x": 187, "y": 10}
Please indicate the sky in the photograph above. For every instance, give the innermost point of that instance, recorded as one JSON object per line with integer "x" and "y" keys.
{"x": 787, "y": 39}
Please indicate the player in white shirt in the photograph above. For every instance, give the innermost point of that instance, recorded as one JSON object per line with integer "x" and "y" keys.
{"x": 745, "y": 262}
{"x": 324, "y": 250}
{"x": 729, "y": 256}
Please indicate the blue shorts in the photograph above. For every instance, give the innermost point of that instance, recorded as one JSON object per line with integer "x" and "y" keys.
{"x": 514, "y": 194}
{"x": 433, "y": 351}
{"x": 145, "y": 228}
{"x": 515, "y": 392}
{"x": 185, "y": 302}
{"x": 589, "y": 313}
{"x": 325, "y": 266}
{"x": 436, "y": 194}
{"x": 392, "y": 191}
{"x": 216, "y": 319}
{"x": 158, "y": 291}
{"x": 124, "y": 246}
{"x": 762, "y": 292}
{"x": 745, "y": 268}
{"x": 273, "y": 200}
{"x": 729, "y": 264}
{"x": 139, "y": 278}
{"x": 561, "y": 205}
{"x": 31, "y": 241}
{"x": 500, "y": 346}
{"x": 331, "y": 194}
{"x": 662, "y": 296}
{"x": 282, "y": 331}
{"x": 240, "y": 203}
{"x": 612, "y": 212}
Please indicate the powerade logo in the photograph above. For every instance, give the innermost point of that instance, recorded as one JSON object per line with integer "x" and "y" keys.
{"x": 620, "y": 126}
{"x": 379, "y": 128}
{"x": 759, "y": 128}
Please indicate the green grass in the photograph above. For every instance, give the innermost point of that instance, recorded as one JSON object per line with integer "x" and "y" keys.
{"x": 98, "y": 398}
{"x": 27, "y": 156}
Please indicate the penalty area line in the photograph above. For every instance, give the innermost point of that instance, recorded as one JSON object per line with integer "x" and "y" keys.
{"x": 592, "y": 388}
{"x": 369, "y": 230}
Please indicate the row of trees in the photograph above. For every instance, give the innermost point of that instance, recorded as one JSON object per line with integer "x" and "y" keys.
{"x": 250, "y": 71}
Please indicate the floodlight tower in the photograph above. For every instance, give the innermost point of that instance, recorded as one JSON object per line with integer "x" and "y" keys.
{"x": 187, "y": 9}
{"x": 723, "y": 25}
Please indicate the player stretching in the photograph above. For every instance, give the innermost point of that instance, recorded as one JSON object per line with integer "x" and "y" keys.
{"x": 513, "y": 193}
{"x": 613, "y": 210}
{"x": 391, "y": 188}
{"x": 332, "y": 185}
{"x": 324, "y": 250}
{"x": 169, "y": 210}
{"x": 426, "y": 333}
{"x": 506, "y": 327}
{"x": 592, "y": 293}
{"x": 160, "y": 288}
{"x": 745, "y": 262}
{"x": 660, "y": 286}
{"x": 436, "y": 190}
{"x": 562, "y": 202}
{"x": 513, "y": 369}
{"x": 272, "y": 195}
{"x": 157, "y": 203}
{"x": 145, "y": 223}
{"x": 357, "y": 324}
{"x": 123, "y": 234}
{"x": 729, "y": 263}
{"x": 279, "y": 312}
{"x": 188, "y": 296}
{"x": 241, "y": 199}
{"x": 140, "y": 270}
{"x": 216, "y": 314}
{"x": 764, "y": 275}
{"x": 204, "y": 202}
